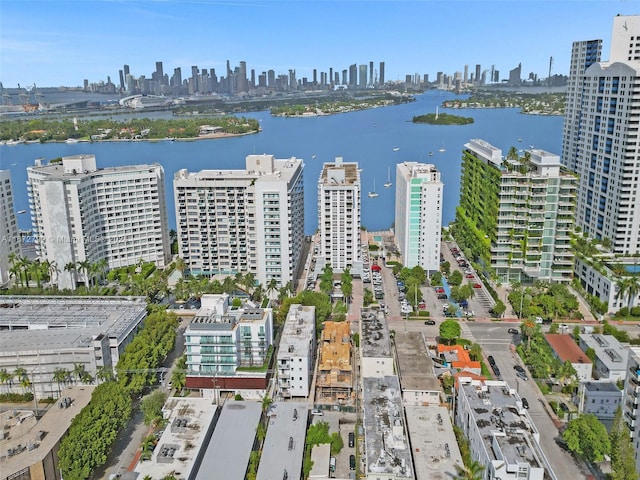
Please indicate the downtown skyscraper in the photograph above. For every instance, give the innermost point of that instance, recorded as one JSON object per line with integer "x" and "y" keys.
{"x": 600, "y": 138}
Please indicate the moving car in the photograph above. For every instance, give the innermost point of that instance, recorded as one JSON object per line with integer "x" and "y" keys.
{"x": 513, "y": 331}
{"x": 525, "y": 403}
{"x": 523, "y": 376}
{"x": 442, "y": 296}
{"x": 429, "y": 322}
{"x": 519, "y": 369}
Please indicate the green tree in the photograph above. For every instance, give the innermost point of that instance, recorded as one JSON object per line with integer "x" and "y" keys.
{"x": 445, "y": 267}
{"x": 436, "y": 279}
{"x": 587, "y": 437}
{"x": 472, "y": 471}
{"x": 499, "y": 308}
{"x": 151, "y": 406}
{"x": 475, "y": 352}
{"x": 455, "y": 278}
{"x": 623, "y": 465}
{"x": 449, "y": 331}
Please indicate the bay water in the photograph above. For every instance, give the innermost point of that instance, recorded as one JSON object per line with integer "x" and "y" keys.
{"x": 368, "y": 137}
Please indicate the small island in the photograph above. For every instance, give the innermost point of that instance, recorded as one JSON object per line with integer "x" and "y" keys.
{"x": 314, "y": 108}
{"x": 442, "y": 119}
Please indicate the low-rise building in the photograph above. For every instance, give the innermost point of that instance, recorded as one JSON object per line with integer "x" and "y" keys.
{"x": 611, "y": 357}
{"x": 420, "y": 386}
{"x": 283, "y": 448}
{"x": 228, "y": 452}
{"x": 501, "y": 435}
{"x": 457, "y": 357}
{"x": 435, "y": 449}
{"x": 190, "y": 424}
{"x": 376, "y": 359}
{"x": 386, "y": 439}
{"x": 566, "y": 350}
{"x": 30, "y": 446}
{"x": 296, "y": 352}
{"x": 631, "y": 400}
{"x": 334, "y": 381}
{"x": 42, "y": 334}
{"x": 600, "y": 398}
{"x": 228, "y": 348}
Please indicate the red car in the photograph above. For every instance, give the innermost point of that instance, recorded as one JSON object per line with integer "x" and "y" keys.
{"x": 477, "y": 285}
{"x": 469, "y": 275}
{"x": 422, "y": 306}
{"x": 439, "y": 290}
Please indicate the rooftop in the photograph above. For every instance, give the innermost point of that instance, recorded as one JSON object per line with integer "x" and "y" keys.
{"x": 458, "y": 357}
{"x": 83, "y": 166}
{"x": 283, "y": 447}
{"x": 566, "y": 349}
{"x": 608, "y": 350}
{"x": 339, "y": 174}
{"x": 231, "y": 443}
{"x": 189, "y": 420}
{"x": 433, "y": 443}
{"x": 415, "y": 366}
{"x": 298, "y": 331}
{"x": 35, "y": 323}
{"x": 602, "y": 386}
{"x": 386, "y": 441}
{"x": 32, "y": 439}
{"x": 375, "y": 334}
{"x": 507, "y": 430}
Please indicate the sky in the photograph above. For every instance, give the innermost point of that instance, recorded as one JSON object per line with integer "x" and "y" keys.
{"x": 63, "y": 42}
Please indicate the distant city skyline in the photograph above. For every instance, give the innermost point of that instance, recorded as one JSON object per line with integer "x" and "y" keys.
{"x": 66, "y": 42}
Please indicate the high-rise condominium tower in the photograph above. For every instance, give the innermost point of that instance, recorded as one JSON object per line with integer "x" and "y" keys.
{"x": 516, "y": 213}
{"x": 81, "y": 213}
{"x": 339, "y": 214}
{"x": 600, "y": 138}
{"x": 242, "y": 221}
{"x": 418, "y": 214}
{"x": 9, "y": 235}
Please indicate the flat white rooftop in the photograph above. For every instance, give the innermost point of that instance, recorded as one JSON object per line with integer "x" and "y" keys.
{"x": 42, "y": 434}
{"x": 298, "y": 331}
{"x": 189, "y": 421}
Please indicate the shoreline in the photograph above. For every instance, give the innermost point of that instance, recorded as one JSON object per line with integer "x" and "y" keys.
{"x": 209, "y": 136}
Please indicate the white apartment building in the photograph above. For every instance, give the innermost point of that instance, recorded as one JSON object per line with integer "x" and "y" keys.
{"x": 631, "y": 400}
{"x": 611, "y": 356}
{"x": 501, "y": 434}
{"x": 247, "y": 221}
{"x": 600, "y": 398}
{"x": 221, "y": 338}
{"x": 600, "y": 139}
{"x": 296, "y": 352}
{"x": 9, "y": 235}
{"x": 83, "y": 213}
{"x": 339, "y": 211}
{"x": 418, "y": 220}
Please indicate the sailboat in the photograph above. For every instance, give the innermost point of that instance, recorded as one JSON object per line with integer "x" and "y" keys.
{"x": 396, "y": 149}
{"x": 373, "y": 194}
{"x": 388, "y": 184}
{"x": 442, "y": 149}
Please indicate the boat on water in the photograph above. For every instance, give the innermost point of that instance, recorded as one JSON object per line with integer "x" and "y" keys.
{"x": 373, "y": 194}
{"x": 313, "y": 156}
{"x": 431, "y": 154}
{"x": 519, "y": 139}
{"x": 388, "y": 184}
{"x": 13, "y": 164}
{"x": 13, "y": 142}
{"x": 22, "y": 211}
{"x": 442, "y": 149}
{"x": 396, "y": 149}
{"x": 72, "y": 140}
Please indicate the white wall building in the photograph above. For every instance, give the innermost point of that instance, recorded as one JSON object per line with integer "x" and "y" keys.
{"x": 247, "y": 221}
{"x": 601, "y": 139}
{"x": 9, "y": 235}
{"x": 83, "y": 213}
{"x": 418, "y": 220}
{"x": 501, "y": 434}
{"x": 631, "y": 400}
{"x": 600, "y": 398}
{"x": 296, "y": 352}
{"x": 339, "y": 214}
{"x": 611, "y": 356}
{"x": 376, "y": 359}
{"x": 221, "y": 338}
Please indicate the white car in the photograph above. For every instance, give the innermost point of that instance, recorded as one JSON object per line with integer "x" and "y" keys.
{"x": 406, "y": 309}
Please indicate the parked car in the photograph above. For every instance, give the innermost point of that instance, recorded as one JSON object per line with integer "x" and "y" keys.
{"x": 429, "y": 322}
{"x": 439, "y": 290}
{"x": 513, "y": 331}
{"x": 519, "y": 369}
{"x": 491, "y": 360}
{"x": 495, "y": 369}
{"x": 538, "y": 320}
{"x": 442, "y": 296}
{"x": 525, "y": 403}
{"x": 470, "y": 275}
{"x": 352, "y": 439}
{"x": 523, "y": 376}
{"x": 422, "y": 306}
{"x": 477, "y": 285}
{"x": 352, "y": 462}
{"x": 317, "y": 412}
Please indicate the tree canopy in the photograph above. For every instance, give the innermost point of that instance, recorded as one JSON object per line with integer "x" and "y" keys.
{"x": 587, "y": 437}
{"x": 449, "y": 331}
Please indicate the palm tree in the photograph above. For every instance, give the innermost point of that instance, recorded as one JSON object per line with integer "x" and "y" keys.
{"x": 25, "y": 264}
{"x": 78, "y": 370}
{"x": 14, "y": 272}
{"x": 473, "y": 471}
{"x": 248, "y": 281}
{"x": 105, "y": 374}
{"x": 72, "y": 268}
{"x": 103, "y": 267}
{"x": 628, "y": 288}
{"x": 51, "y": 270}
{"x": 228, "y": 285}
{"x": 26, "y": 384}
{"x": 36, "y": 270}
{"x": 83, "y": 266}
{"x": 528, "y": 328}
{"x": 60, "y": 376}
{"x": 94, "y": 270}
{"x": 272, "y": 286}
{"x": 6, "y": 378}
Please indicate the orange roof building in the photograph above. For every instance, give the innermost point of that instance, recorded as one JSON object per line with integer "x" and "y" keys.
{"x": 334, "y": 381}
{"x": 567, "y": 350}
{"x": 458, "y": 357}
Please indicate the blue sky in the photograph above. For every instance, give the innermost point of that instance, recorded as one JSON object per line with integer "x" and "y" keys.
{"x": 62, "y": 42}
